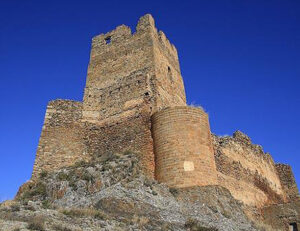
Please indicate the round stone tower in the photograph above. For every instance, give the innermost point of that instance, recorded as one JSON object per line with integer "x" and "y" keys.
{"x": 183, "y": 147}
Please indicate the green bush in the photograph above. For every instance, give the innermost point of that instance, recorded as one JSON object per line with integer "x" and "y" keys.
{"x": 63, "y": 176}
{"x": 46, "y": 204}
{"x": 39, "y": 189}
{"x": 43, "y": 174}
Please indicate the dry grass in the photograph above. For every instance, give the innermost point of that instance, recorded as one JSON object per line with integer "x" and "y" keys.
{"x": 89, "y": 212}
{"x": 194, "y": 225}
{"x": 59, "y": 227}
{"x": 37, "y": 223}
{"x": 140, "y": 221}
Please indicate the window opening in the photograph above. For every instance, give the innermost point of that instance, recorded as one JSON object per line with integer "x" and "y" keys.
{"x": 107, "y": 40}
{"x": 170, "y": 75}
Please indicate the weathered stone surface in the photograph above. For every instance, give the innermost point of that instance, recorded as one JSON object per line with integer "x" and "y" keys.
{"x": 112, "y": 193}
{"x": 248, "y": 172}
{"x": 282, "y": 216}
{"x": 134, "y": 100}
{"x": 288, "y": 181}
{"x": 183, "y": 147}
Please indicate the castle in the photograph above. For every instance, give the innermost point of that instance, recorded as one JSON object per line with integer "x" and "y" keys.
{"x": 134, "y": 99}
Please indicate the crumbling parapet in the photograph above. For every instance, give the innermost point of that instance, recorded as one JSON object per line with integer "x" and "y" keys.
{"x": 288, "y": 181}
{"x": 247, "y": 171}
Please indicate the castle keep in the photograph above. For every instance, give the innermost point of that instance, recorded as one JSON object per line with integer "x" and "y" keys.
{"x": 134, "y": 100}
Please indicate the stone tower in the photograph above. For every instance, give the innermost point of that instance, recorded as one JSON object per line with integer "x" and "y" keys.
{"x": 128, "y": 72}
{"x": 134, "y": 100}
{"x": 130, "y": 77}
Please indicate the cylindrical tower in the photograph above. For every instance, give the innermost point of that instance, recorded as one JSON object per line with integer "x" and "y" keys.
{"x": 183, "y": 147}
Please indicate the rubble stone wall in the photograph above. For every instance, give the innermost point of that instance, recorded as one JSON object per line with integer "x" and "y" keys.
{"x": 61, "y": 142}
{"x": 66, "y": 139}
{"x": 183, "y": 148}
{"x": 131, "y": 133}
{"x": 248, "y": 172}
{"x": 282, "y": 216}
{"x": 288, "y": 181}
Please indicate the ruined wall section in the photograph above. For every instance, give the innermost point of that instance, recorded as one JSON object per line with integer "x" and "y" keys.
{"x": 183, "y": 148}
{"x": 62, "y": 139}
{"x": 248, "y": 172}
{"x": 288, "y": 181}
{"x": 282, "y": 216}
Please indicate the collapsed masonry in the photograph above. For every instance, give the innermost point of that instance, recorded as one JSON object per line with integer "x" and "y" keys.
{"x": 134, "y": 100}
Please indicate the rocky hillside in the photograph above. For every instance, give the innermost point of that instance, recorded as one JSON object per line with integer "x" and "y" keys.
{"x": 111, "y": 193}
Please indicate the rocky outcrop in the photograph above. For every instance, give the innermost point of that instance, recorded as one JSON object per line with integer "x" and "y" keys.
{"x": 112, "y": 193}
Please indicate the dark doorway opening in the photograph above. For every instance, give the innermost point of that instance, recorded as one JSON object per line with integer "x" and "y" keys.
{"x": 293, "y": 227}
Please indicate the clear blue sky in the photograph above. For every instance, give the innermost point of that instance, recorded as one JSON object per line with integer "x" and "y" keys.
{"x": 239, "y": 60}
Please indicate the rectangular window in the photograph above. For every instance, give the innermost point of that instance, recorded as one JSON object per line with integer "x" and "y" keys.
{"x": 107, "y": 40}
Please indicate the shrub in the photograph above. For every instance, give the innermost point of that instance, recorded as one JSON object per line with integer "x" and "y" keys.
{"x": 81, "y": 163}
{"x": 193, "y": 225}
{"x": 46, "y": 204}
{"x": 15, "y": 207}
{"x": 87, "y": 177}
{"x": 128, "y": 152}
{"x": 84, "y": 213}
{"x": 37, "y": 223}
{"x": 39, "y": 189}
{"x": 174, "y": 191}
{"x": 140, "y": 221}
{"x": 59, "y": 227}
{"x": 63, "y": 176}
{"x": 29, "y": 207}
{"x": 43, "y": 174}
{"x": 73, "y": 184}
